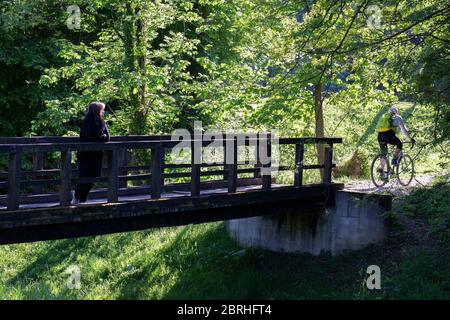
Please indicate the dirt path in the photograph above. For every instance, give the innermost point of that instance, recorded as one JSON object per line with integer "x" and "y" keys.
{"x": 393, "y": 187}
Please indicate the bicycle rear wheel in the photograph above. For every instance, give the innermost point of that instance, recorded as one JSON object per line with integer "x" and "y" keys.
{"x": 379, "y": 179}
{"x": 405, "y": 170}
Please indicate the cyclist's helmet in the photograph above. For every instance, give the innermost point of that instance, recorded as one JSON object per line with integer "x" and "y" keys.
{"x": 393, "y": 110}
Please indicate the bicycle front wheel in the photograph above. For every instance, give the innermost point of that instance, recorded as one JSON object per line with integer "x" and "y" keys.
{"x": 379, "y": 178}
{"x": 405, "y": 170}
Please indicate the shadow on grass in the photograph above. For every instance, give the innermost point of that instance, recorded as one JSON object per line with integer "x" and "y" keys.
{"x": 235, "y": 273}
{"x": 202, "y": 262}
{"x": 206, "y": 265}
{"x": 258, "y": 274}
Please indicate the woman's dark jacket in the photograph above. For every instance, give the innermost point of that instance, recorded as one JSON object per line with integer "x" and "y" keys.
{"x": 93, "y": 129}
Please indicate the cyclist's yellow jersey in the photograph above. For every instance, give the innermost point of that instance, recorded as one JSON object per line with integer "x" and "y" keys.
{"x": 385, "y": 123}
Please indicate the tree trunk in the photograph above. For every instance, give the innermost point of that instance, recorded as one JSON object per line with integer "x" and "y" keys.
{"x": 140, "y": 112}
{"x": 135, "y": 62}
{"x": 135, "y": 49}
{"x": 129, "y": 43}
{"x": 319, "y": 125}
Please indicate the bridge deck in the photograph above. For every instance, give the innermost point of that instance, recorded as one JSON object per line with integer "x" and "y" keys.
{"x": 140, "y": 197}
{"x": 99, "y": 217}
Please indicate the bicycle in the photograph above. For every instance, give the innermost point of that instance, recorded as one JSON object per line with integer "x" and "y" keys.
{"x": 403, "y": 170}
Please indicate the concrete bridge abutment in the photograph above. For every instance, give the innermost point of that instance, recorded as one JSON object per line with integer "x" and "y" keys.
{"x": 355, "y": 221}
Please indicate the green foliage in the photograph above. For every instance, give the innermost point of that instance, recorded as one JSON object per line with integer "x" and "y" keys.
{"x": 432, "y": 203}
{"x": 233, "y": 64}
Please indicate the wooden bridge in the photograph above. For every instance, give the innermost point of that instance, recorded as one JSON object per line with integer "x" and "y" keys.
{"x": 35, "y": 201}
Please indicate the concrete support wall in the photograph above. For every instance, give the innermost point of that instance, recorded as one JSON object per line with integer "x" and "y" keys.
{"x": 354, "y": 222}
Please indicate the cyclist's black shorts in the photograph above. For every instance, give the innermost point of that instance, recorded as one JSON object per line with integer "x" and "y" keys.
{"x": 388, "y": 137}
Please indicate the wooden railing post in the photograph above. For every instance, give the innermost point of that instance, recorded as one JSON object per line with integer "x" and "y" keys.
{"x": 156, "y": 166}
{"x": 113, "y": 175}
{"x": 267, "y": 177}
{"x": 65, "y": 177}
{"x": 232, "y": 165}
{"x": 196, "y": 151}
{"x": 328, "y": 163}
{"x": 38, "y": 164}
{"x": 15, "y": 160}
{"x": 298, "y": 174}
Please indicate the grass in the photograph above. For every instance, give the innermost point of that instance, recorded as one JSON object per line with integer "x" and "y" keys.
{"x": 202, "y": 262}
{"x": 432, "y": 203}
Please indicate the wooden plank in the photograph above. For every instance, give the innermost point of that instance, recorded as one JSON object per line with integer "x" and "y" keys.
{"x": 53, "y": 182}
{"x": 328, "y": 164}
{"x": 97, "y": 146}
{"x": 156, "y": 159}
{"x": 134, "y": 168}
{"x": 170, "y": 166}
{"x": 56, "y": 139}
{"x": 299, "y": 154}
{"x": 313, "y": 166}
{"x": 309, "y": 140}
{"x": 113, "y": 173}
{"x": 232, "y": 165}
{"x": 134, "y": 177}
{"x": 138, "y": 138}
{"x": 136, "y": 190}
{"x": 163, "y": 138}
{"x": 90, "y": 146}
{"x": 37, "y": 173}
{"x": 37, "y": 139}
{"x": 208, "y": 173}
{"x": 188, "y": 165}
{"x": 14, "y": 168}
{"x": 55, "y": 172}
{"x": 65, "y": 178}
{"x": 196, "y": 154}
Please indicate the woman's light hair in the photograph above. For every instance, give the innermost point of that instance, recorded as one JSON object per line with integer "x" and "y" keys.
{"x": 95, "y": 107}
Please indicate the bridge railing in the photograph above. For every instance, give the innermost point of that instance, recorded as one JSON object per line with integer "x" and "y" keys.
{"x": 116, "y": 172}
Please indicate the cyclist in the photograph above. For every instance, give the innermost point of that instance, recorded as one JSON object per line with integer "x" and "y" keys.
{"x": 386, "y": 128}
